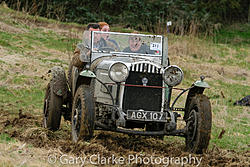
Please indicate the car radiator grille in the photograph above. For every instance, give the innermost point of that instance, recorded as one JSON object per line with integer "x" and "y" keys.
{"x": 146, "y": 98}
{"x": 145, "y": 67}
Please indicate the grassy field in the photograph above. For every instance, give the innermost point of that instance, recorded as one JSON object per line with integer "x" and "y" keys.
{"x": 30, "y": 46}
{"x": 224, "y": 60}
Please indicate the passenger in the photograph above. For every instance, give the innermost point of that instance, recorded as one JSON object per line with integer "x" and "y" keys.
{"x": 105, "y": 40}
{"x": 137, "y": 46}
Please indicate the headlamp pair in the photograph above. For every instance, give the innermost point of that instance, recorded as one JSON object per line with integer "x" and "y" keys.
{"x": 172, "y": 75}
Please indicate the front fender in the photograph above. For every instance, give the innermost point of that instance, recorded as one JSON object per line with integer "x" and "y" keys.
{"x": 84, "y": 77}
{"x": 201, "y": 84}
{"x": 88, "y": 73}
{"x": 59, "y": 81}
{"x": 198, "y": 87}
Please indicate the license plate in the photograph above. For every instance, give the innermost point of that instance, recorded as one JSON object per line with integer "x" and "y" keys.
{"x": 147, "y": 116}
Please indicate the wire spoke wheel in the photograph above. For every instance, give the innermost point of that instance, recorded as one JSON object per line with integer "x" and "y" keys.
{"x": 191, "y": 127}
{"x": 76, "y": 123}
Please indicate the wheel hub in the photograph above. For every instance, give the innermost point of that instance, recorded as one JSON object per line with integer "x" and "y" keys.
{"x": 191, "y": 125}
{"x": 77, "y": 117}
{"x": 45, "y": 113}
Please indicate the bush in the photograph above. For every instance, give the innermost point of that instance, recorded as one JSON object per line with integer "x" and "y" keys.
{"x": 187, "y": 16}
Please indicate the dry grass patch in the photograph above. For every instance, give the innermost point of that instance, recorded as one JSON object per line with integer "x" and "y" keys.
{"x": 7, "y": 28}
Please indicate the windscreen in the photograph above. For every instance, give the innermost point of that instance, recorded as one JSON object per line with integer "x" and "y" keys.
{"x": 126, "y": 43}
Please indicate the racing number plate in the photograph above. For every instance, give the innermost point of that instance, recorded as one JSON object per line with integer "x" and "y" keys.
{"x": 147, "y": 116}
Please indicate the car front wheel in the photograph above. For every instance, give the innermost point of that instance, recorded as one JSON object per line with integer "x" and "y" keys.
{"x": 83, "y": 114}
{"x": 198, "y": 124}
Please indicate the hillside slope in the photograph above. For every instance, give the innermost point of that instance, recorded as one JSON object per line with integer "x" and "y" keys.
{"x": 30, "y": 46}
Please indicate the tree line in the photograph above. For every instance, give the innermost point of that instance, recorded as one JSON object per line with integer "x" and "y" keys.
{"x": 187, "y": 16}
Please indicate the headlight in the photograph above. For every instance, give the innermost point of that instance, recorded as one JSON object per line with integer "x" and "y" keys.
{"x": 173, "y": 75}
{"x": 118, "y": 72}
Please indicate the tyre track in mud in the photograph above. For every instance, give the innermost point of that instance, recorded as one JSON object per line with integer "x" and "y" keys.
{"x": 28, "y": 128}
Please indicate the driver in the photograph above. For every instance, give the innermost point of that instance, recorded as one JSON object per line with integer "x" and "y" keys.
{"x": 137, "y": 46}
{"x": 82, "y": 52}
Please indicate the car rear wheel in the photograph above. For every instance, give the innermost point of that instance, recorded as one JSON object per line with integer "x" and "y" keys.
{"x": 198, "y": 124}
{"x": 52, "y": 109}
{"x": 83, "y": 114}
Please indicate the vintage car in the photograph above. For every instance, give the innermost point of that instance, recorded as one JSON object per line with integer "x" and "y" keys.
{"x": 126, "y": 86}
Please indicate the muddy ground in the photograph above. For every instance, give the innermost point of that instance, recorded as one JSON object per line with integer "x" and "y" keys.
{"x": 28, "y": 128}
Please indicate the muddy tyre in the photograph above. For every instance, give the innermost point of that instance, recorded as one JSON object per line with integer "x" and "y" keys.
{"x": 83, "y": 114}
{"x": 198, "y": 124}
{"x": 52, "y": 109}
